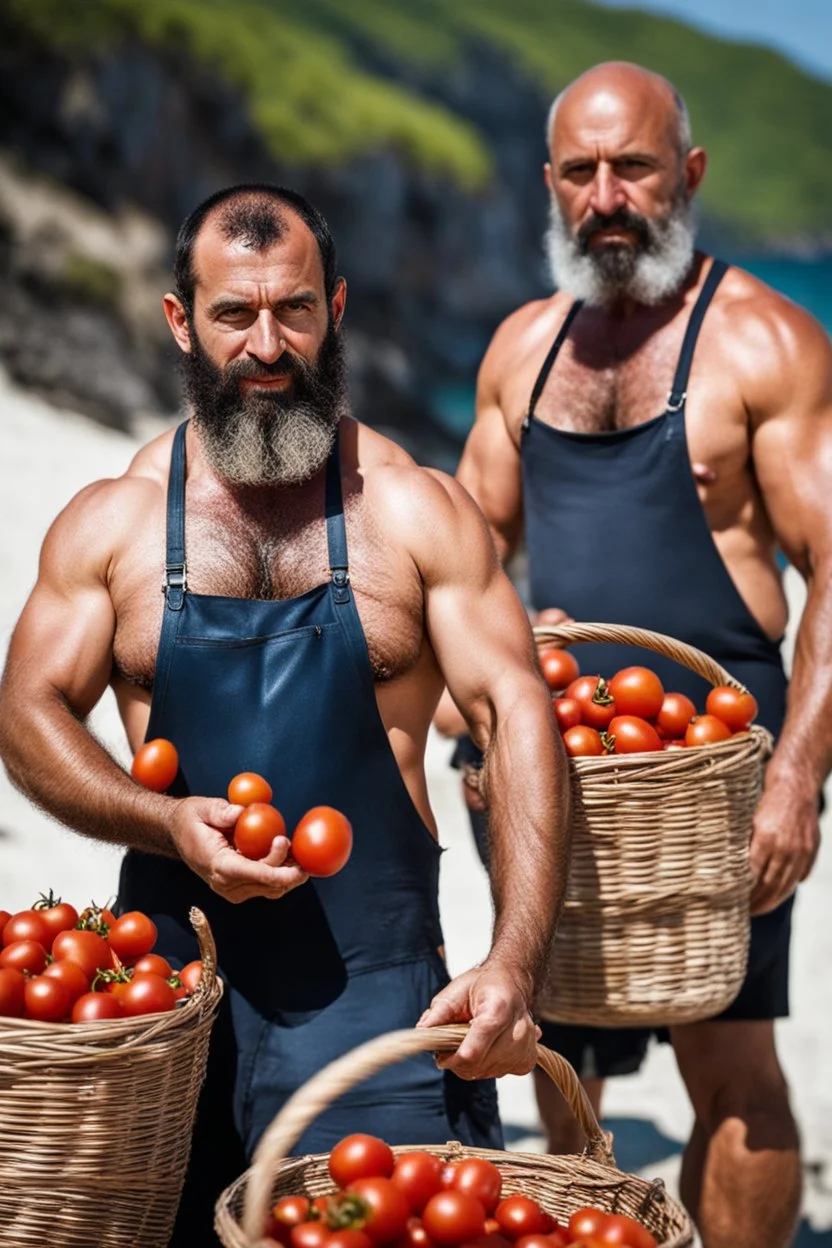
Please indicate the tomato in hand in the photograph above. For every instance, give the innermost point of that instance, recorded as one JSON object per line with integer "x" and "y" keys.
{"x": 132, "y": 936}
{"x": 676, "y": 713}
{"x": 12, "y": 984}
{"x": 96, "y": 1007}
{"x": 597, "y": 704}
{"x": 247, "y": 788}
{"x": 419, "y": 1176}
{"x": 452, "y": 1217}
{"x": 637, "y": 691}
{"x": 256, "y": 828}
{"x": 567, "y": 713}
{"x": 360, "y": 1156}
{"x": 617, "y": 1228}
{"x": 27, "y": 925}
{"x": 520, "y": 1215}
{"x": 559, "y": 668}
{"x": 88, "y": 949}
{"x": 155, "y": 964}
{"x": 587, "y": 1222}
{"x": 480, "y": 1178}
{"x": 706, "y": 730}
{"x": 583, "y": 742}
{"x": 387, "y": 1208}
{"x": 47, "y": 1000}
{"x": 147, "y": 994}
{"x": 24, "y": 955}
{"x": 322, "y": 841}
{"x": 70, "y": 975}
{"x": 156, "y": 764}
{"x": 59, "y": 916}
{"x": 736, "y": 709}
{"x": 633, "y": 735}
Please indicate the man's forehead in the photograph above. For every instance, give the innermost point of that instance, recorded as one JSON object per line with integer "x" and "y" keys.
{"x": 220, "y": 258}
{"x": 614, "y": 111}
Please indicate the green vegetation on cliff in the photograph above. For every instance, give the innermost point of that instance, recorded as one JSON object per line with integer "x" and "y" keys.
{"x": 304, "y": 72}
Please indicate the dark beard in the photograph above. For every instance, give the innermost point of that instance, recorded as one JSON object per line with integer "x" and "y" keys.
{"x": 267, "y": 437}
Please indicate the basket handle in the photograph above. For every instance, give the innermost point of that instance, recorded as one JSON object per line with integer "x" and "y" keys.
{"x": 304, "y": 1106}
{"x": 207, "y": 954}
{"x": 623, "y": 634}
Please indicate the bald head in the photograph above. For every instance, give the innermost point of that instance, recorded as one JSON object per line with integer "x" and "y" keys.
{"x": 618, "y": 87}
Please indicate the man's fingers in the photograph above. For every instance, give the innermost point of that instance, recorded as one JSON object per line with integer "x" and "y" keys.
{"x": 233, "y": 872}
{"x": 488, "y": 1054}
{"x": 221, "y": 814}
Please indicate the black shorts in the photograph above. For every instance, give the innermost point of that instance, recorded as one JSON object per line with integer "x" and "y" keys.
{"x": 600, "y": 1052}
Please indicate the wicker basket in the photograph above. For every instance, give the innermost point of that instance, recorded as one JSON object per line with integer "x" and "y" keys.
{"x": 655, "y": 926}
{"x": 561, "y": 1184}
{"x": 96, "y": 1121}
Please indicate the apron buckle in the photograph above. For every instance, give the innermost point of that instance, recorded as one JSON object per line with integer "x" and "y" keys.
{"x": 341, "y": 580}
{"x": 176, "y": 583}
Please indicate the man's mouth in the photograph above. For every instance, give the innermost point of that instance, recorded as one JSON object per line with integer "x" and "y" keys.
{"x": 275, "y": 381}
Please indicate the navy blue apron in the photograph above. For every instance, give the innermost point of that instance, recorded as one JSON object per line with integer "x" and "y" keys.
{"x": 616, "y": 533}
{"x": 285, "y": 688}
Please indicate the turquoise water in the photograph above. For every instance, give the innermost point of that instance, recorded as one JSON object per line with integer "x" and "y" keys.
{"x": 808, "y": 283}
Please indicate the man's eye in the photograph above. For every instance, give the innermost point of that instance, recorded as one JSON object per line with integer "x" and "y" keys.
{"x": 295, "y": 306}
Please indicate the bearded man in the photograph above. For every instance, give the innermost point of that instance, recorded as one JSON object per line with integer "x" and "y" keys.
{"x": 659, "y": 427}
{"x": 319, "y": 589}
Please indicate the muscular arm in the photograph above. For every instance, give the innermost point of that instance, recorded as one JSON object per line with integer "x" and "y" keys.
{"x": 483, "y": 642}
{"x": 58, "y": 667}
{"x": 791, "y": 406}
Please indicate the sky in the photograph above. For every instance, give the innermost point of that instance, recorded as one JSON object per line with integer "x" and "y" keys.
{"x": 799, "y": 29}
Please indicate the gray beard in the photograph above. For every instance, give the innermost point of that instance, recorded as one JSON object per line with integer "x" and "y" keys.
{"x": 285, "y": 447}
{"x": 602, "y": 277}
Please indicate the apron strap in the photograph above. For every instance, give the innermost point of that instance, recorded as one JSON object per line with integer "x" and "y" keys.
{"x": 678, "y": 394}
{"x": 176, "y": 584}
{"x": 336, "y": 529}
{"x": 548, "y": 363}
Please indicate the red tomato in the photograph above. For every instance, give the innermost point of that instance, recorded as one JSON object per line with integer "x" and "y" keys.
{"x": 597, "y": 703}
{"x": 520, "y": 1215}
{"x": 147, "y": 994}
{"x": 349, "y": 1238}
{"x": 27, "y": 925}
{"x": 288, "y": 1212}
{"x": 247, "y": 788}
{"x": 567, "y": 712}
{"x": 190, "y": 976}
{"x": 156, "y": 764}
{"x": 12, "y": 984}
{"x": 587, "y": 1222}
{"x": 419, "y": 1176}
{"x": 535, "y": 1241}
{"x": 582, "y": 742}
{"x": 155, "y": 964}
{"x": 309, "y": 1235}
{"x": 47, "y": 1000}
{"x": 415, "y": 1235}
{"x": 619, "y": 1229}
{"x": 673, "y": 745}
{"x": 633, "y": 735}
{"x": 24, "y": 955}
{"x": 5, "y": 915}
{"x": 96, "y": 1007}
{"x": 559, "y": 668}
{"x": 676, "y": 713}
{"x": 71, "y": 976}
{"x": 88, "y": 949}
{"x": 448, "y": 1172}
{"x": 360, "y": 1157}
{"x": 132, "y": 936}
{"x": 736, "y": 709}
{"x": 59, "y": 916}
{"x": 388, "y": 1211}
{"x": 637, "y": 691}
{"x": 322, "y": 841}
{"x": 256, "y": 828}
{"x": 451, "y": 1217}
{"x": 706, "y": 730}
{"x": 480, "y": 1178}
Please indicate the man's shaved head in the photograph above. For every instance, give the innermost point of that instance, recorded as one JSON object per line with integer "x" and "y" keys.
{"x": 623, "y": 80}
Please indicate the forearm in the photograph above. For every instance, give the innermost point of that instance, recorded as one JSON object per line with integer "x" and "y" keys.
{"x": 804, "y": 749}
{"x": 52, "y": 757}
{"x": 527, "y": 788}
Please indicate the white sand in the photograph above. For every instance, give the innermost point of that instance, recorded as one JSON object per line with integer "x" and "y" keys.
{"x": 45, "y": 457}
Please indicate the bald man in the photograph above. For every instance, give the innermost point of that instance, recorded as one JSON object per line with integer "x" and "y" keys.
{"x": 659, "y": 427}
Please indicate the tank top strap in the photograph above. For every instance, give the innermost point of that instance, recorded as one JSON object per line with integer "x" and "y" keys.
{"x": 542, "y": 376}
{"x": 678, "y": 393}
{"x": 175, "y": 585}
{"x": 336, "y": 529}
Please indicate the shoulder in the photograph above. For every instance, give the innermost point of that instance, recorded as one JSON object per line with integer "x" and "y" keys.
{"x": 529, "y": 329}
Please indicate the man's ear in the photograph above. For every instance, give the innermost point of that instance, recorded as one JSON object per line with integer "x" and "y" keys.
{"x": 696, "y": 163}
{"x": 339, "y": 301}
{"x": 547, "y": 177}
{"x": 177, "y": 318}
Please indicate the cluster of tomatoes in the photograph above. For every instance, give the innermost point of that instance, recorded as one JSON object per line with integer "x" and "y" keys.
{"x": 419, "y": 1201}
{"x": 321, "y": 842}
{"x": 632, "y": 714}
{"x": 57, "y": 966}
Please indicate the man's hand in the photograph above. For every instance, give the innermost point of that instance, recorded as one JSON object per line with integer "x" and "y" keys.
{"x": 784, "y": 841}
{"x": 549, "y": 617}
{"x": 502, "y": 1036}
{"x": 200, "y": 831}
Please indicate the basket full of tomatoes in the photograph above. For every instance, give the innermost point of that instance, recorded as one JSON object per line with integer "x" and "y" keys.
{"x": 655, "y": 926}
{"x": 103, "y": 1049}
{"x": 365, "y": 1194}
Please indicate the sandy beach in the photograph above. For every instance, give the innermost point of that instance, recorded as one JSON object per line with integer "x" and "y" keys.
{"x": 45, "y": 457}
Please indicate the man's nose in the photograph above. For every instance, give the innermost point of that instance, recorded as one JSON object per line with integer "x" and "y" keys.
{"x": 607, "y": 192}
{"x": 264, "y": 340}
